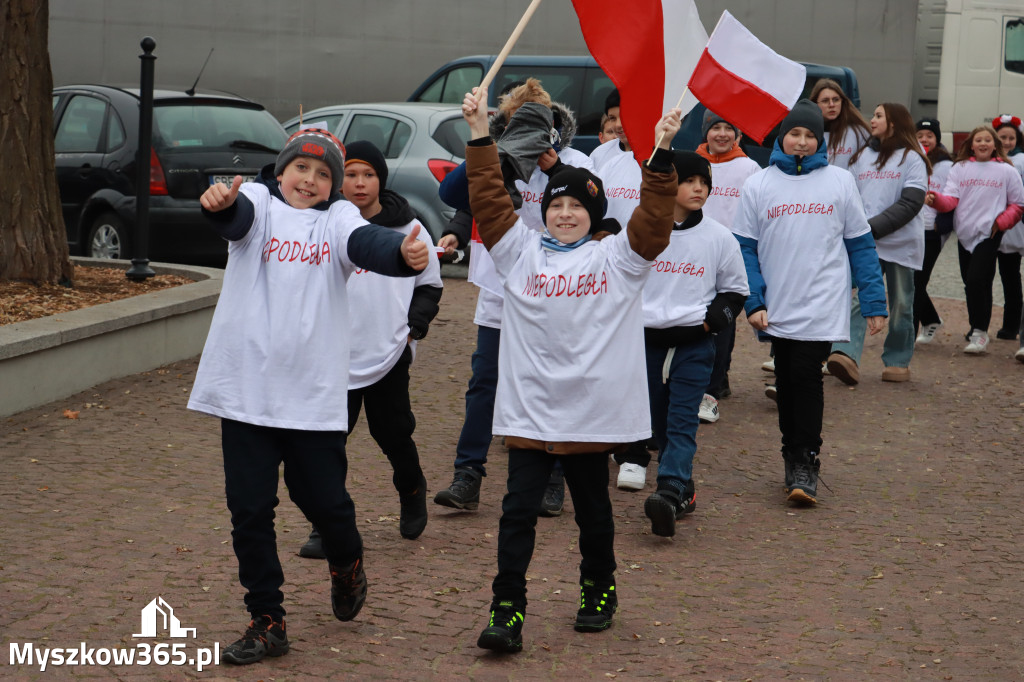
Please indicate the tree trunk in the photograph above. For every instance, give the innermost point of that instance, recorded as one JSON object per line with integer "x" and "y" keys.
{"x": 33, "y": 242}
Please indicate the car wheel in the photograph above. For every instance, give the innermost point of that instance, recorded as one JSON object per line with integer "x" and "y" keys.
{"x": 108, "y": 237}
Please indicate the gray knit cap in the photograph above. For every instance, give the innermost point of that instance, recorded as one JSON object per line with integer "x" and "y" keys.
{"x": 316, "y": 144}
{"x": 710, "y": 119}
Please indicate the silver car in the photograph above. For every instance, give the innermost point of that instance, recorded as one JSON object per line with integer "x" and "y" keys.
{"x": 421, "y": 143}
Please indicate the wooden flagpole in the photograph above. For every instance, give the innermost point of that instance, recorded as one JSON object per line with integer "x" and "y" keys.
{"x": 679, "y": 103}
{"x": 508, "y": 46}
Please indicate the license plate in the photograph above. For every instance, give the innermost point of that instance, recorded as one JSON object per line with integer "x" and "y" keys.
{"x": 228, "y": 179}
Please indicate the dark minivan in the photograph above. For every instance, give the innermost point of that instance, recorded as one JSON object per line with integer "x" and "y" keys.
{"x": 197, "y": 140}
{"x": 579, "y": 83}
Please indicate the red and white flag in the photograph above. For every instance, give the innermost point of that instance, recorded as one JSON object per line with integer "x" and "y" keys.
{"x": 744, "y": 81}
{"x": 649, "y": 49}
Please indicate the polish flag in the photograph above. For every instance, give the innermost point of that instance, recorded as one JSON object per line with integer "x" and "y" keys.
{"x": 744, "y": 81}
{"x": 649, "y": 49}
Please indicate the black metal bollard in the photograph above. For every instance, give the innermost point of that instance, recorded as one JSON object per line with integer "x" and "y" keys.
{"x": 140, "y": 270}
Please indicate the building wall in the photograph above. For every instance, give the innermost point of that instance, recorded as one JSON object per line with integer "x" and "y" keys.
{"x": 319, "y": 52}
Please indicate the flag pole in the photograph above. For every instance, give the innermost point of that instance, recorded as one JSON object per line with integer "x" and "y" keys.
{"x": 508, "y": 46}
{"x": 679, "y": 103}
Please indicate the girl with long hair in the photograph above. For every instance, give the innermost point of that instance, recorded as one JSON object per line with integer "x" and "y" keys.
{"x": 988, "y": 195}
{"x": 936, "y": 232}
{"x": 846, "y": 131}
{"x": 1008, "y": 130}
{"x": 892, "y": 176}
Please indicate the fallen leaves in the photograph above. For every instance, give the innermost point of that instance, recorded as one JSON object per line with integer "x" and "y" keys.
{"x": 71, "y": 414}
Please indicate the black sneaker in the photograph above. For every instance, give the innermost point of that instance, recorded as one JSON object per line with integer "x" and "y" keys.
{"x": 804, "y": 486}
{"x": 504, "y": 631}
{"x": 1007, "y": 334}
{"x": 314, "y": 547}
{"x": 597, "y": 606}
{"x": 788, "y": 482}
{"x": 264, "y": 637}
{"x": 348, "y": 589}
{"x": 554, "y": 495}
{"x": 463, "y": 493}
{"x": 414, "y": 511}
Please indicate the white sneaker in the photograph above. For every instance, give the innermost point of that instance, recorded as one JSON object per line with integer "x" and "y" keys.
{"x": 708, "y": 411}
{"x": 1019, "y": 355}
{"x": 927, "y": 333}
{"x": 632, "y": 476}
{"x": 978, "y": 344}
{"x": 769, "y": 366}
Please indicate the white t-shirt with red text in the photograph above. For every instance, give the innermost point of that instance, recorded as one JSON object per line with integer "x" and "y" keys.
{"x": 1013, "y": 240}
{"x": 880, "y": 189}
{"x": 727, "y": 180}
{"x": 571, "y": 365}
{"x": 799, "y": 222}
{"x": 481, "y": 269}
{"x": 700, "y": 262}
{"x": 936, "y": 181}
{"x": 277, "y": 353}
{"x": 620, "y": 174}
{"x": 853, "y": 139}
{"x": 984, "y": 189}
{"x": 379, "y": 309}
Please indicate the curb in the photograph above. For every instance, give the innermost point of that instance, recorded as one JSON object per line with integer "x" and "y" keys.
{"x": 50, "y": 358}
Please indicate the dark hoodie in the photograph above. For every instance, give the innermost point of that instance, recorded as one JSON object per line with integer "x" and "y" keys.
{"x": 395, "y": 212}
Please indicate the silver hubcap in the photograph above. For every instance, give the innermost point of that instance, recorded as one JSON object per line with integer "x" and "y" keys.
{"x": 106, "y": 243}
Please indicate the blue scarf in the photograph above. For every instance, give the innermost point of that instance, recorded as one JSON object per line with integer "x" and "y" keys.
{"x": 797, "y": 165}
{"x": 552, "y": 244}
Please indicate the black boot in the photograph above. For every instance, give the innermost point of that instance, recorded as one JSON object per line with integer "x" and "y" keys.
{"x": 554, "y": 495}
{"x": 787, "y": 459}
{"x": 348, "y": 589}
{"x": 314, "y": 547}
{"x": 463, "y": 493}
{"x": 804, "y": 489}
{"x": 414, "y": 511}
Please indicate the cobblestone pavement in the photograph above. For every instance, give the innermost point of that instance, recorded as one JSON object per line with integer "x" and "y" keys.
{"x": 909, "y": 568}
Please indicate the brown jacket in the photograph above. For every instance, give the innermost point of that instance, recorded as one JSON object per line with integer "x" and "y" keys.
{"x": 649, "y": 231}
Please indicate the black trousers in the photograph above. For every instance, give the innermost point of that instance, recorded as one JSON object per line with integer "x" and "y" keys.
{"x": 978, "y": 270}
{"x": 725, "y": 341}
{"x": 800, "y": 391}
{"x": 315, "y": 468}
{"x": 528, "y": 472}
{"x": 391, "y": 422}
{"x": 924, "y": 310}
{"x": 1013, "y": 301}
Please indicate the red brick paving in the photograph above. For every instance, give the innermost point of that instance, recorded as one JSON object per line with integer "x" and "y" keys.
{"x": 910, "y": 568}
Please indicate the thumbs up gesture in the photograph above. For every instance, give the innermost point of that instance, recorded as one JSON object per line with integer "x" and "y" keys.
{"x": 414, "y": 251}
{"x": 220, "y": 196}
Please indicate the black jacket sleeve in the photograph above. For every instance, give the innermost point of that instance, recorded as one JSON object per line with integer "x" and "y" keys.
{"x": 461, "y": 225}
{"x": 235, "y": 221}
{"x": 422, "y": 309}
{"x": 379, "y": 250}
{"x": 723, "y": 309}
{"x": 899, "y": 214}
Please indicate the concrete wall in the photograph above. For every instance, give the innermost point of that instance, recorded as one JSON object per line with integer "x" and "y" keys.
{"x": 319, "y": 52}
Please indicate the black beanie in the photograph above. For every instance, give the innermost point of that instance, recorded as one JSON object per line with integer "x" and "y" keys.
{"x": 806, "y": 114}
{"x": 580, "y": 184}
{"x": 316, "y": 144}
{"x": 612, "y": 100}
{"x": 688, "y": 164}
{"x": 932, "y": 125}
{"x": 367, "y": 152}
{"x": 710, "y": 119}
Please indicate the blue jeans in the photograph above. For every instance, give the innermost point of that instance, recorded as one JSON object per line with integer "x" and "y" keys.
{"x": 675, "y": 402}
{"x": 898, "y": 348}
{"x": 475, "y": 439}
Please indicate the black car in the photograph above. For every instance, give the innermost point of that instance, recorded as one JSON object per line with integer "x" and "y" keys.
{"x": 197, "y": 140}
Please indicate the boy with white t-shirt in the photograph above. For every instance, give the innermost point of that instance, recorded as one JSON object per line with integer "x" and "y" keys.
{"x": 731, "y": 168}
{"x": 802, "y": 230}
{"x": 572, "y": 331}
{"x": 275, "y": 368}
{"x": 390, "y": 315}
{"x": 696, "y": 288}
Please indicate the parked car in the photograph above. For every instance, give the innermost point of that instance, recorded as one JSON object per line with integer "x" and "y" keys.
{"x": 577, "y": 82}
{"x": 421, "y": 143}
{"x": 197, "y": 140}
